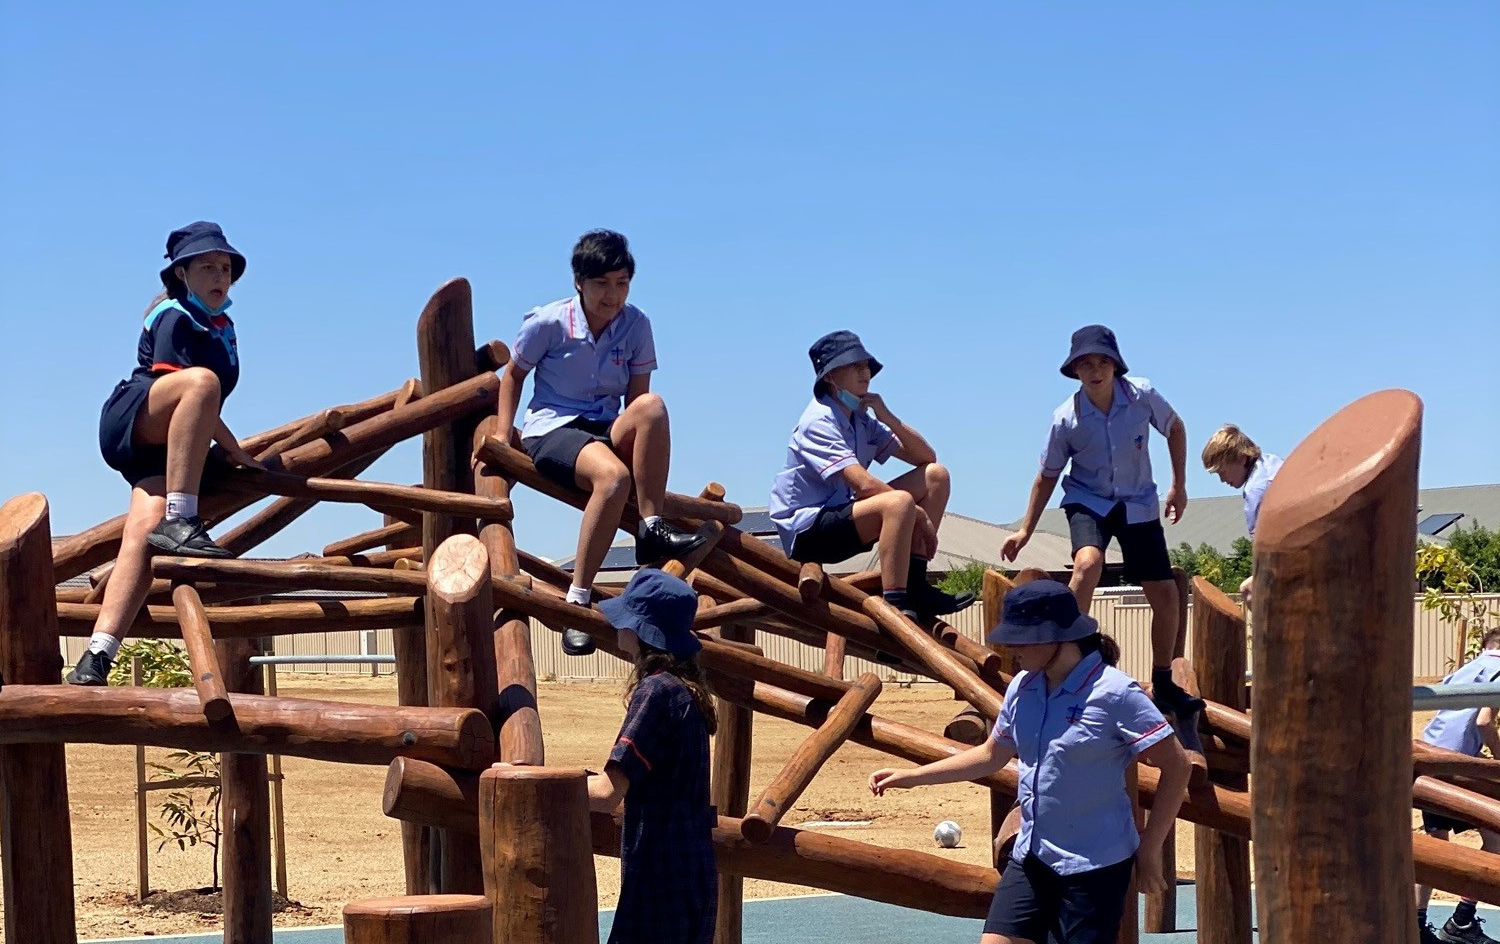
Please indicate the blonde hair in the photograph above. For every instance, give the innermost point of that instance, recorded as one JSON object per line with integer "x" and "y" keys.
{"x": 1228, "y": 445}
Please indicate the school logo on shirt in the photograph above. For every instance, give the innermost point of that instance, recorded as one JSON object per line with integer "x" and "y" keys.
{"x": 1140, "y": 441}
{"x": 617, "y": 355}
{"x": 1075, "y": 714}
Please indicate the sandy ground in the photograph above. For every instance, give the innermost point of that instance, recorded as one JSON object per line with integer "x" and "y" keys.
{"x": 340, "y": 847}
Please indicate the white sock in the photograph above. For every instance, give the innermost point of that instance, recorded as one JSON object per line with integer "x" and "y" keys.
{"x": 649, "y": 522}
{"x": 182, "y": 505}
{"x": 105, "y": 643}
{"x": 577, "y": 594}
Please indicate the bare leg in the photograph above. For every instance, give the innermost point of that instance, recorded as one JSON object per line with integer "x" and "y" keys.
{"x": 888, "y": 518}
{"x": 1003, "y": 939}
{"x": 599, "y": 472}
{"x": 130, "y": 581}
{"x": 643, "y": 440}
{"x": 181, "y": 412}
{"x": 931, "y": 486}
{"x": 1088, "y": 568}
{"x": 1162, "y": 595}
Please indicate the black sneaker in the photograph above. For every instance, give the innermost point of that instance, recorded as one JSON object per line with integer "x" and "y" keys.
{"x": 1427, "y": 935}
{"x": 1171, "y": 699}
{"x": 92, "y": 669}
{"x": 1471, "y": 933}
{"x": 184, "y": 537}
{"x": 660, "y": 542}
{"x": 930, "y": 601}
{"x": 1186, "y": 727}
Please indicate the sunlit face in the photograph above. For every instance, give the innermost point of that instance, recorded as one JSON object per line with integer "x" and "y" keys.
{"x": 1094, "y": 370}
{"x": 1034, "y": 658}
{"x": 604, "y": 296}
{"x": 1234, "y": 473}
{"x": 855, "y": 378}
{"x": 208, "y": 276}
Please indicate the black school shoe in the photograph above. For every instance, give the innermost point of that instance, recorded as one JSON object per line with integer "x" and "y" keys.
{"x": 930, "y": 601}
{"x": 660, "y": 542}
{"x": 185, "y": 537}
{"x": 1426, "y": 934}
{"x": 92, "y": 669}
{"x": 1471, "y": 933}
{"x": 1171, "y": 699}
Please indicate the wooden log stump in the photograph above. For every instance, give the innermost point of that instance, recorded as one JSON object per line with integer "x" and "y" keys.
{"x": 245, "y": 853}
{"x": 419, "y": 919}
{"x": 36, "y": 841}
{"x": 968, "y": 727}
{"x": 538, "y": 855}
{"x": 208, "y": 678}
{"x": 1333, "y": 567}
{"x": 730, "y": 789}
{"x": 782, "y": 792}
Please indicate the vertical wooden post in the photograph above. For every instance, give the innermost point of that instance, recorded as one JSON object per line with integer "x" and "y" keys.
{"x": 992, "y": 593}
{"x": 36, "y": 835}
{"x": 278, "y": 806}
{"x": 1333, "y": 568}
{"x": 1130, "y": 922}
{"x": 1161, "y": 910}
{"x": 419, "y": 919}
{"x": 410, "y": 645}
{"x": 245, "y": 855}
{"x": 538, "y": 855}
{"x": 730, "y": 789}
{"x": 1222, "y": 861}
{"x": 142, "y": 851}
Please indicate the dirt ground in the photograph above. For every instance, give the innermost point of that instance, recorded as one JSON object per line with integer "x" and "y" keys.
{"x": 340, "y": 847}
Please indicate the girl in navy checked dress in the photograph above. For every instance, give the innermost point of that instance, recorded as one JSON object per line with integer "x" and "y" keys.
{"x": 659, "y": 765}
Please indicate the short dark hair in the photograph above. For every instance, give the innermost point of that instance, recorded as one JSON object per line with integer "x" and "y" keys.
{"x": 1491, "y": 639}
{"x": 599, "y": 252}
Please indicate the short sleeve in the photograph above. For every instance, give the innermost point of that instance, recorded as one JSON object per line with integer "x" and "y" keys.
{"x": 645, "y": 731}
{"x": 643, "y": 348}
{"x": 1055, "y": 453}
{"x": 822, "y": 446}
{"x": 1162, "y": 414}
{"x": 1138, "y": 723}
{"x": 539, "y": 334}
{"x": 1253, "y": 495}
{"x": 886, "y": 442}
{"x": 171, "y": 340}
{"x": 1004, "y": 731}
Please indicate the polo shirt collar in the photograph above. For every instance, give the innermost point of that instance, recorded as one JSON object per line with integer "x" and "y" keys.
{"x": 1123, "y": 395}
{"x": 578, "y": 323}
{"x": 1087, "y": 667}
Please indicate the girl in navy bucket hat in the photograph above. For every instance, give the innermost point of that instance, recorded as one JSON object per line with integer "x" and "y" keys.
{"x": 827, "y": 506}
{"x": 157, "y": 426}
{"x": 1076, "y": 723}
{"x": 659, "y": 765}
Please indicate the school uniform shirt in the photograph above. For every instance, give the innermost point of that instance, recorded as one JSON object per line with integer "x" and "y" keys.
{"x": 178, "y": 335}
{"x": 668, "y": 874}
{"x": 1073, "y": 746}
{"x": 1256, "y": 484}
{"x": 578, "y": 375}
{"x": 1454, "y": 729}
{"x": 828, "y": 439}
{"x": 1110, "y": 455}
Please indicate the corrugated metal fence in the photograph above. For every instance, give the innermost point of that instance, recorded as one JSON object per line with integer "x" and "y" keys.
{"x": 1127, "y": 618}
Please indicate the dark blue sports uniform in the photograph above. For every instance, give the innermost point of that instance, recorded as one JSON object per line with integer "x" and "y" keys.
{"x": 176, "y": 335}
{"x": 669, "y": 878}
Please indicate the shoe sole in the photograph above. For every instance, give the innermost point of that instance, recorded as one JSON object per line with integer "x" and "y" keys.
{"x": 178, "y": 550}
{"x": 657, "y": 562}
{"x": 72, "y": 679}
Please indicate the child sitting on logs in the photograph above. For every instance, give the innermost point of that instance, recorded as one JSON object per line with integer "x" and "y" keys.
{"x": 1467, "y": 731}
{"x": 158, "y": 424}
{"x": 828, "y": 507}
{"x": 1102, "y": 430}
{"x": 659, "y": 765}
{"x": 1076, "y": 723}
{"x": 589, "y": 352}
{"x": 1239, "y": 463}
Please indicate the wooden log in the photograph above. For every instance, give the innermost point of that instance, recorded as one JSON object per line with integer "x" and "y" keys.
{"x": 835, "y": 648}
{"x": 267, "y": 619}
{"x": 1130, "y": 921}
{"x": 320, "y": 424}
{"x": 36, "y": 840}
{"x": 538, "y": 855}
{"x": 385, "y": 494}
{"x": 1222, "y": 861}
{"x": 520, "y": 723}
{"x": 351, "y": 412}
{"x": 80, "y": 552}
{"x": 499, "y": 540}
{"x": 992, "y": 599}
{"x": 517, "y": 466}
{"x": 1455, "y": 802}
{"x": 461, "y": 670}
{"x": 1333, "y": 555}
{"x": 783, "y": 790}
{"x": 289, "y": 575}
{"x": 419, "y": 919}
{"x": 732, "y": 612}
{"x": 208, "y": 678}
{"x": 968, "y": 727}
{"x": 398, "y": 534}
{"x": 321, "y": 730}
{"x": 1459, "y": 764}
{"x": 491, "y": 355}
{"x": 941, "y": 661}
{"x": 995, "y": 668}
{"x": 410, "y": 391}
{"x": 730, "y": 789}
{"x": 245, "y": 800}
{"x": 810, "y": 582}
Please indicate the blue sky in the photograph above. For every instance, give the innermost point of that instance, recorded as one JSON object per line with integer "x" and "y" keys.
{"x": 1279, "y": 207}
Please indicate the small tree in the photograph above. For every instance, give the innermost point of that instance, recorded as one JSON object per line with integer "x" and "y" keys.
{"x": 1226, "y": 573}
{"x": 967, "y": 579}
{"x": 1450, "y": 585}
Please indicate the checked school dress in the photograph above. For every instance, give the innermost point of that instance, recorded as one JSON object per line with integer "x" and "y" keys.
{"x": 668, "y": 877}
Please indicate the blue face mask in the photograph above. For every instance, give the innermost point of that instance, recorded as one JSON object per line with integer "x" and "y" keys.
{"x": 212, "y": 312}
{"x": 849, "y": 400}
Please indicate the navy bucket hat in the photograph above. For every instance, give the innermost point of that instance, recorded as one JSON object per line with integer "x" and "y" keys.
{"x": 1040, "y": 613}
{"x": 659, "y": 609}
{"x": 1093, "y": 339}
{"x": 196, "y": 239}
{"x": 839, "y": 349}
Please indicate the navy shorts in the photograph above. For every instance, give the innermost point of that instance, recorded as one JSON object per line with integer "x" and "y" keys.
{"x": 1437, "y": 822}
{"x": 1143, "y": 545}
{"x": 556, "y": 452}
{"x": 117, "y": 432}
{"x": 832, "y": 537}
{"x": 1034, "y": 902}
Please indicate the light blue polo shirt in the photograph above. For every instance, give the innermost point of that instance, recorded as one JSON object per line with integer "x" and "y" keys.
{"x": 1074, "y": 746}
{"x": 578, "y": 375}
{"x": 828, "y": 439}
{"x": 1110, "y": 455}
{"x": 1454, "y": 729}
{"x": 1255, "y": 487}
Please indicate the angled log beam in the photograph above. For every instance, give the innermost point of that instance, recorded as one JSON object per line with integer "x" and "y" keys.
{"x": 400, "y": 534}
{"x": 208, "y": 678}
{"x": 323, "y": 423}
{"x": 364, "y": 493}
{"x": 942, "y": 662}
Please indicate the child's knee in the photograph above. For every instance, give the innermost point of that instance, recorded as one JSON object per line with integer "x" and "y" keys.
{"x": 937, "y": 477}
{"x": 200, "y": 381}
{"x": 650, "y": 407}
{"x": 612, "y": 483}
{"x": 1088, "y": 563}
{"x": 900, "y": 506}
